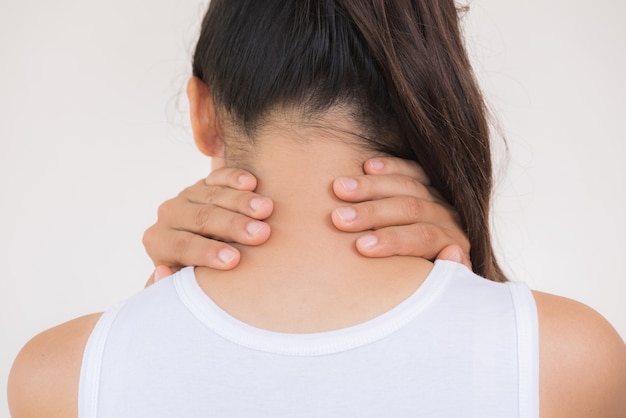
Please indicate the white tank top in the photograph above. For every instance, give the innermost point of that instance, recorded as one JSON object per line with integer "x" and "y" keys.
{"x": 460, "y": 346}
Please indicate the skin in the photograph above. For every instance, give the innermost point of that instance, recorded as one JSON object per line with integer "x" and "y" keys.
{"x": 582, "y": 358}
{"x": 392, "y": 200}
{"x": 44, "y": 378}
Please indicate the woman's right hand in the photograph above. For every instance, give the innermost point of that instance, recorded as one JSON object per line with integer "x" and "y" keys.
{"x": 392, "y": 199}
{"x": 192, "y": 229}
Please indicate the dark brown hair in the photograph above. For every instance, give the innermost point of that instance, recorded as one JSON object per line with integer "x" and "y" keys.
{"x": 400, "y": 64}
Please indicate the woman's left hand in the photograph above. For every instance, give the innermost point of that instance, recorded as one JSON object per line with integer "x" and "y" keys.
{"x": 406, "y": 216}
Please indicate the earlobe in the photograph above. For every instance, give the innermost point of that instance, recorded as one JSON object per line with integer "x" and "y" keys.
{"x": 207, "y": 130}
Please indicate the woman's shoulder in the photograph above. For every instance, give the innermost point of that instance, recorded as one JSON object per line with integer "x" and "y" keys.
{"x": 44, "y": 378}
{"x": 582, "y": 361}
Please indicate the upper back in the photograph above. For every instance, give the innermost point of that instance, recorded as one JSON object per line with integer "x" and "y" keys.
{"x": 458, "y": 346}
{"x": 166, "y": 340}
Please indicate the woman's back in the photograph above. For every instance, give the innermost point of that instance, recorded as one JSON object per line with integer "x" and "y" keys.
{"x": 458, "y": 346}
{"x": 160, "y": 359}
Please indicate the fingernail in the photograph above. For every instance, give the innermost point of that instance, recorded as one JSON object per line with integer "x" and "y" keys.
{"x": 254, "y": 227}
{"x": 456, "y": 256}
{"x": 346, "y": 214}
{"x": 256, "y": 203}
{"x": 157, "y": 276}
{"x": 226, "y": 255}
{"x": 243, "y": 178}
{"x": 349, "y": 184}
{"x": 367, "y": 241}
{"x": 376, "y": 164}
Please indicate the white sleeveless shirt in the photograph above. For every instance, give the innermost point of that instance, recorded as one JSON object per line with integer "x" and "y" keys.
{"x": 459, "y": 346}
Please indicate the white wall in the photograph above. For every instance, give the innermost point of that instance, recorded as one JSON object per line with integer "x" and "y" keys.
{"x": 93, "y": 137}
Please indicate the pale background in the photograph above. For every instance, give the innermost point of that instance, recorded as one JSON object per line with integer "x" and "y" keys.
{"x": 93, "y": 137}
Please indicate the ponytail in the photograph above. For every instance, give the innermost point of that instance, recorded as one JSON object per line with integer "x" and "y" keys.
{"x": 442, "y": 116}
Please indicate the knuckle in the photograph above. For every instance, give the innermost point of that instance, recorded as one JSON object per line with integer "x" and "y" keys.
{"x": 203, "y": 214}
{"x": 213, "y": 177}
{"x": 185, "y": 191}
{"x": 164, "y": 209}
{"x": 366, "y": 210}
{"x": 181, "y": 247}
{"x": 413, "y": 208}
{"x": 146, "y": 239}
{"x": 410, "y": 185}
{"x": 391, "y": 241}
{"x": 211, "y": 194}
{"x": 366, "y": 215}
{"x": 234, "y": 224}
{"x": 427, "y": 235}
{"x": 190, "y": 190}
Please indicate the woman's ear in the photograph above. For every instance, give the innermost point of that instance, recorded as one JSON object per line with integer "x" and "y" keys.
{"x": 207, "y": 131}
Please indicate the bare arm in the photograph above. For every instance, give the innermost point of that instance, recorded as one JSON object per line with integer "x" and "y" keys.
{"x": 44, "y": 378}
{"x": 582, "y": 361}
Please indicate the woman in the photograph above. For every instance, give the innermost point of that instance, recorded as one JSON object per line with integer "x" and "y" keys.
{"x": 300, "y": 93}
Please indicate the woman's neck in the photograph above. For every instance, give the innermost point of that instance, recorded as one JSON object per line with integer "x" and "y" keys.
{"x": 307, "y": 265}
{"x": 296, "y": 166}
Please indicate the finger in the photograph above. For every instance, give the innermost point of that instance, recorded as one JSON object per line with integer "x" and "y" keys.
{"x": 396, "y": 166}
{"x": 245, "y": 202}
{"x": 362, "y": 188}
{"x": 159, "y": 273}
{"x": 419, "y": 240}
{"x": 181, "y": 248}
{"x": 248, "y": 203}
{"x": 393, "y": 211}
{"x": 234, "y": 178}
{"x": 456, "y": 254}
{"x": 213, "y": 221}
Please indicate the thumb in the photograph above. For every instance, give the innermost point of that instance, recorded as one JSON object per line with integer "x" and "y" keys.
{"x": 454, "y": 253}
{"x": 160, "y": 272}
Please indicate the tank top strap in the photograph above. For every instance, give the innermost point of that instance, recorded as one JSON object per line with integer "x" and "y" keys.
{"x": 89, "y": 383}
{"x": 528, "y": 348}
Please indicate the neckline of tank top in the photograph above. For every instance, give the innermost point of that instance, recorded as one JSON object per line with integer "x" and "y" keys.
{"x": 311, "y": 344}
